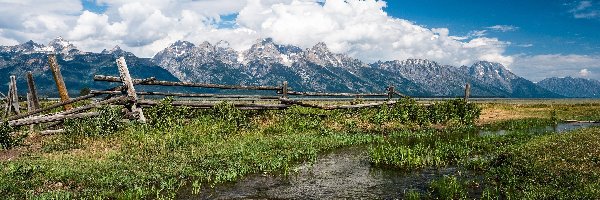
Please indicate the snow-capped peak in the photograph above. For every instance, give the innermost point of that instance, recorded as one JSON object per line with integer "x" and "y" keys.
{"x": 61, "y": 46}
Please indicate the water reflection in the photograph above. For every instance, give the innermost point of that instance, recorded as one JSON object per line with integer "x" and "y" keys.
{"x": 558, "y": 128}
{"x": 342, "y": 174}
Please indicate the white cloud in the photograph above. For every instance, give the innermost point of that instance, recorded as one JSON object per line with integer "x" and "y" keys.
{"x": 503, "y": 28}
{"x": 586, "y": 10}
{"x": 539, "y": 67}
{"x": 584, "y": 73}
{"x": 360, "y": 28}
{"x": 524, "y": 45}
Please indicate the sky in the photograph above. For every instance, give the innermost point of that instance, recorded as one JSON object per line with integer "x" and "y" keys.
{"x": 534, "y": 39}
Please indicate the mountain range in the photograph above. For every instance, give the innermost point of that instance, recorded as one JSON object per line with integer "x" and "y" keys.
{"x": 266, "y": 63}
{"x": 572, "y": 87}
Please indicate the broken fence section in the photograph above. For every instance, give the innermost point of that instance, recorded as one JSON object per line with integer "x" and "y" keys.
{"x": 126, "y": 95}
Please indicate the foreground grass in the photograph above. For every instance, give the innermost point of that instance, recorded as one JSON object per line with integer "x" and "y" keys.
{"x": 104, "y": 158}
{"x": 518, "y": 164}
{"x": 148, "y": 161}
{"x": 564, "y": 166}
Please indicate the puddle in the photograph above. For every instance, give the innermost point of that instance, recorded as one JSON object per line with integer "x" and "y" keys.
{"x": 559, "y": 128}
{"x": 341, "y": 174}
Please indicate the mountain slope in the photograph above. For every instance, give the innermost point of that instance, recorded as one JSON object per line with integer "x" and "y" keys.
{"x": 494, "y": 74}
{"x": 572, "y": 87}
{"x": 77, "y": 68}
{"x": 264, "y": 63}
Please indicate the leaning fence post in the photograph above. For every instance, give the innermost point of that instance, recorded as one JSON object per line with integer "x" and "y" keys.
{"x": 8, "y": 106}
{"x": 31, "y": 86}
{"x": 14, "y": 96}
{"x": 30, "y": 107}
{"x": 284, "y": 89}
{"x": 128, "y": 83}
{"x": 60, "y": 83}
{"x": 390, "y": 93}
{"x": 467, "y": 91}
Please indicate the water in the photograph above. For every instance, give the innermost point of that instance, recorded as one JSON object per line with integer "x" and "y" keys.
{"x": 559, "y": 128}
{"x": 343, "y": 174}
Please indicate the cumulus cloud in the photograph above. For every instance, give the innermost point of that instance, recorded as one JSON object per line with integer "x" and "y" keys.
{"x": 503, "y": 28}
{"x": 584, "y": 73}
{"x": 539, "y": 67}
{"x": 359, "y": 28}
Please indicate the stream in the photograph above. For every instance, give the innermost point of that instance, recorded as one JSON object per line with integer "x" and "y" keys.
{"x": 341, "y": 174}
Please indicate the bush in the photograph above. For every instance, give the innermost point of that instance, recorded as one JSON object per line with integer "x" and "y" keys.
{"x": 108, "y": 122}
{"x": 6, "y": 140}
{"x": 164, "y": 115}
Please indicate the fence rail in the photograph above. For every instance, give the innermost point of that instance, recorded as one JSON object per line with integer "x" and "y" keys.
{"x": 126, "y": 95}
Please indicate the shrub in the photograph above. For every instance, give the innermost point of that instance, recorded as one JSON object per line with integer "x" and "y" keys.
{"x": 6, "y": 140}
{"x": 108, "y": 122}
{"x": 164, "y": 115}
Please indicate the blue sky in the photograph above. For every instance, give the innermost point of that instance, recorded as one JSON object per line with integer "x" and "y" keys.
{"x": 533, "y": 38}
{"x": 544, "y": 26}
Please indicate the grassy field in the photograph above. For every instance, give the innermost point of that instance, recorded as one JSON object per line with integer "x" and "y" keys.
{"x": 104, "y": 158}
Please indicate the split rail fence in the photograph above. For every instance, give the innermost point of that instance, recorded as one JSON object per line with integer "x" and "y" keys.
{"x": 126, "y": 95}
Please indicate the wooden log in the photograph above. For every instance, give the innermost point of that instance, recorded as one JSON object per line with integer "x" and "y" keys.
{"x": 70, "y": 101}
{"x": 337, "y": 94}
{"x": 210, "y": 105}
{"x": 56, "y": 105}
{"x": 32, "y": 90}
{"x": 114, "y": 100}
{"x": 188, "y": 84}
{"x": 52, "y": 132}
{"x": 400, "y": 94}
{"x": 467, "y": 91}
{"x": 30, "y": 107}
{"x": 16, "y": 108}
{"x": 121, "y": 87}
{"x": 284, "y": 89}
{"x": 333, "y": 107}
{"x": 117, "y": 79}
{"x": 53, "y": 118}
{"x": 128, "y": 83}
{"x": 187, "y": 95}
{"x": 60, "y": 83}
{"x": 390, "y": 93}
{"x": 8, "y": 107}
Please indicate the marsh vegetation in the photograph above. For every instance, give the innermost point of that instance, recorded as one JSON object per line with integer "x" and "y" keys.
{"x": 105, "y": 157}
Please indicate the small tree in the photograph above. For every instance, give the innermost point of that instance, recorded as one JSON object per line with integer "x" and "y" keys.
{"x": 84, "y": 91}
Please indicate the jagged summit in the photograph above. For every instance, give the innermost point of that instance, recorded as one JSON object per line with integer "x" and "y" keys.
{"x": 117, "y": 52}
{"x": 61, "y": 46}
{"x": 316, "y": 68}
{"x": 181, "y": 43}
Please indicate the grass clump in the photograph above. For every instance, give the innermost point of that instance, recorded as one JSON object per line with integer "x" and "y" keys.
{"x": 565, "y": 166}
{"x": 448, "y": 187}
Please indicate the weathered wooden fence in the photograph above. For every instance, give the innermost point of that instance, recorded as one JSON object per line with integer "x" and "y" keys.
{"x": 126, "y": 95}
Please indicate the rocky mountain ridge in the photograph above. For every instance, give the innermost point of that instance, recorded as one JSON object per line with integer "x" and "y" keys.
{"x": 268, "y": 63}
{"x": 572, "y": 87}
